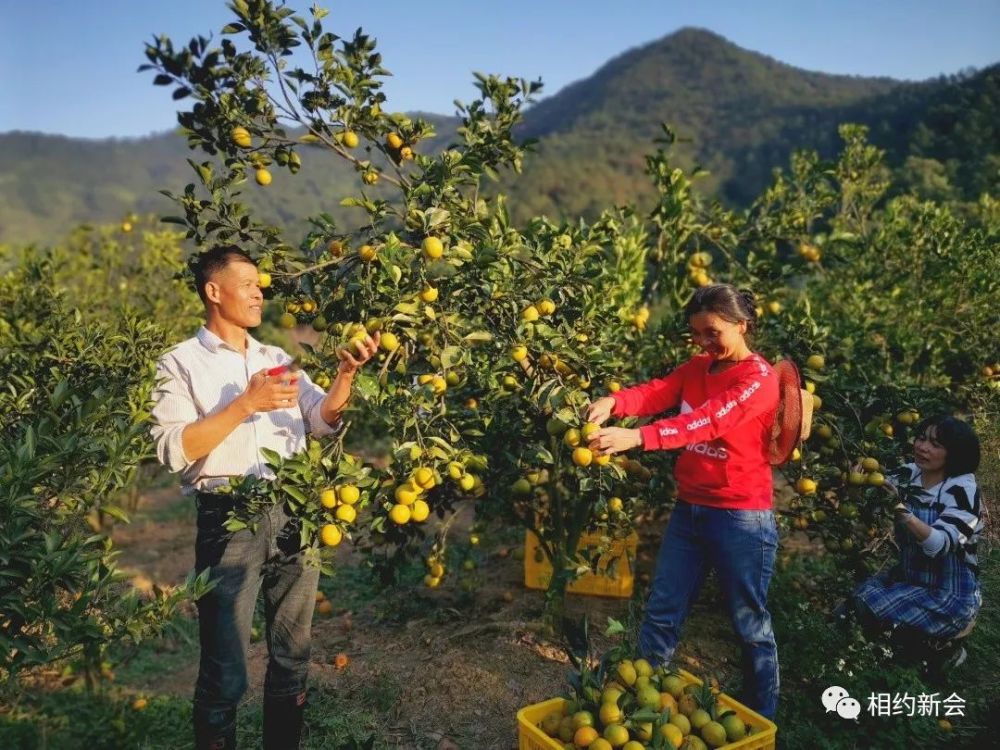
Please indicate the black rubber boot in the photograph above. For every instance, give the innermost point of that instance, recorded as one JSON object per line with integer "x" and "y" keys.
{"x": 214, "y": 730}
{"x": 283, "y": 718}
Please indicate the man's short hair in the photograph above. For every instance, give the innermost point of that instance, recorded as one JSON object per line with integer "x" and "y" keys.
{"x": 214, "y": 260}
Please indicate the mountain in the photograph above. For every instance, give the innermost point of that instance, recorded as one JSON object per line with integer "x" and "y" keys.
{"x": 743, "y": 113}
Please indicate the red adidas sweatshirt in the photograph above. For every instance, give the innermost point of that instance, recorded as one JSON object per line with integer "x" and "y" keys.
{"x": 724, "y": 425}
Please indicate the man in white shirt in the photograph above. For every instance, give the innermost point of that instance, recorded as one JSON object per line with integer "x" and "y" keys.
{"x": 215, "y": 408}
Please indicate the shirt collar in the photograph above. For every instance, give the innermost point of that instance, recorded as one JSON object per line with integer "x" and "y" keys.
{"x": 213, "y": 343}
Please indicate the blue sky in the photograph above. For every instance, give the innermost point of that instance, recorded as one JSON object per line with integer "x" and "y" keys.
{"x": 69, "y": 66}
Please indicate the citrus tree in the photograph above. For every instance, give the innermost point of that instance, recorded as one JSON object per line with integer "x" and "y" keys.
{"x": 491, "y": 335}
{"x": 73, "y": 419}
{"x": 883, "y": 304}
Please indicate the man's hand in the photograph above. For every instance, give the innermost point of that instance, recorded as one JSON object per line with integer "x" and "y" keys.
{"x": 351, "y": 361}
{"x": 599, "y": 412}
{"x": 267, "y": 393}
{"x": 609, "y": 440}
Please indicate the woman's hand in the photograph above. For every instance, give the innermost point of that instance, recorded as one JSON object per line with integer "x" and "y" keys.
{"x": 610, "y": 440}
{"x": 599, "y": 411}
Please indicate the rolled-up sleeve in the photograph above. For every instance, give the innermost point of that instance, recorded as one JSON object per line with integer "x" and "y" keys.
{"x": 173, "y": 410}
{"x": 311, "y": 405}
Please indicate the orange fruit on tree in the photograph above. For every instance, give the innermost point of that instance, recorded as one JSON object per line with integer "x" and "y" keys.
{"x": 406, "y": 494}
{"x": 241, "y": 137}
{"x": 331, "y": 535}
{"x": 328, "y": 498}
{"x": 346, "y": 513}
{"x": 367, "y": 253}
{"x": 400, "y": 514}
{"x": 582, "y": 456}
{"x": 805, "y": 486}
{"x": 672, "y": 734}
{"x": 324, "y": 607}
{"x": 393, "y": 140}
{"x": 263, "y": 176}
{"x": 424, "y": 477}
{"x": 429, "y": 294}
{"x": 340, "y": 661}
{"x": 263, "y": 279}
{"x": 529, "y": 314}
{"x": 433, "y": 248}
{"x": 350, "y": 139}
{"x": 348, "y": 494}
{"x": 419, "y": 511}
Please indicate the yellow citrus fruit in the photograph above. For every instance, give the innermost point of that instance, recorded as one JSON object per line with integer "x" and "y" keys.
{"x": 810, "y": 386}
{"x": 815, "y": 362}
{"x": 609, "y": 713}
{"x": 615, "y": 734}
{"x": 262, "y": 176}
{"x": 439, "y": 385}
{"x": 287, "y": 320}
{"x": 583, "y": 719}
{"x": 680, "y": 719}
{"x": 642, "y": 667}
{"x": 545, "y": 307}
{"x": 308, "y": 305}
{"x": 346, "y": 513}
{"x": 406, "y": 153}
{"x": 589, "y": 429}
{"x": 805, "y": 486}
{"x": 582, "y": 456}
{"x": 348, "y": 494}
{"x": 433, "y": 248}
{"x": 612, "y": 694}
{"x": 241, "y": 137}
{"x": 518, "y": 352}
{"x": 869, "y": 464}
{"x": 331, "y": 535}
{"x": 139, "y": 704}
{"x": 672, "y": 734}
{"x": 584, "y": 736}
{"x": 420, "y": 511}
{"x": 714, "y": 734}
{"x": 389, "y": 342}
{"x": 856, "y": 479}
{"x": 370, "y": 177}
{"x": 328, "y": 498}
{"x": 263, "y": 280}
{"x": 601, "y": 744}
{"x": 432, "y": 582}
{"x": 616, "y": 505}
{"x": 366, "y": 253}
{"x": 399, "y": 514}
{"x": 437, "y": 570}
{"x": 626, "y": 673}
{"x": 467, "y": 482}
{"x": 429, "y": 294}
{"x": 875, "y": 479}
{"x": 603, "y": 460}
{"x": 529, "y": 314}
{"x": 633, "y": 745}
{"x": 350, "y": 139}
{"x": 572, "y": 437}
{"x": 614, "y": 386}
{"x": 393, "y": 140}
{"x": 406, "y": 494}
{"x": 817, "y": 402}
{"x": 424, "y": 477}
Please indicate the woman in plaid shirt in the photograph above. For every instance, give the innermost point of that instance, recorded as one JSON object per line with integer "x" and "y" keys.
{"x": 934, "y": 588}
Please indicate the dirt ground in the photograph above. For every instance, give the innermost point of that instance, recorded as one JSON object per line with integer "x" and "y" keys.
{"x": 462, "y": 663}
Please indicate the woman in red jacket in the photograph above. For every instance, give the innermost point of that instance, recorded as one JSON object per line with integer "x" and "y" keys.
{"x": 727, "y": 397}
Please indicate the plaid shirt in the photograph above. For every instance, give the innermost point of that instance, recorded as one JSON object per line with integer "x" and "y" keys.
{"x": 200, "y": 377}
{"x": 937, "y": 594}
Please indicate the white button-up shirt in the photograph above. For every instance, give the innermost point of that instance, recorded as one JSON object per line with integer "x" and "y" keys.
{"x": 202, "y": 376}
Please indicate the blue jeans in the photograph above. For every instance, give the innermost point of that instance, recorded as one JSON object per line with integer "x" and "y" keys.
{"x": 741, "y": 546}
{"x": 242, "y": 563}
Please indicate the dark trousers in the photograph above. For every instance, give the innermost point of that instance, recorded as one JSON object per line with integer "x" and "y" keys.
{"x": 243, "y": 563}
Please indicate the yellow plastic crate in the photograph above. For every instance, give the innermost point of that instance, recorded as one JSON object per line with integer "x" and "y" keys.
{"x": 538, "y": 569}
{"x": 531, "y": 737}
